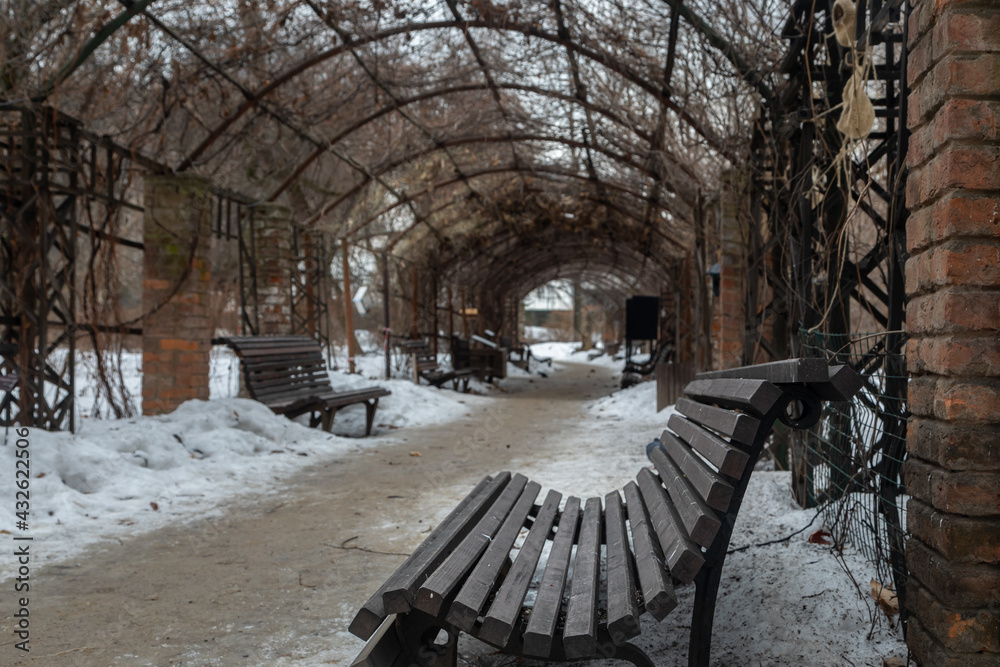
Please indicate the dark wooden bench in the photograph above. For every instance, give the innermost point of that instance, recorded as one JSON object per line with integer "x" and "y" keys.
{"x": 288, "y": 375}
{"x": 487, "y": 363}
{"x": 679, "y": 514}
{"x": 424, "y": 364}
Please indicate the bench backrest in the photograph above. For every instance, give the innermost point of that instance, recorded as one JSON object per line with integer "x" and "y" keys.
{"x": 704, "y": 460}
{"x": 277, "y": 369}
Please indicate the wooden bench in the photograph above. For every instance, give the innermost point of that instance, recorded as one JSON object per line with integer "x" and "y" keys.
{"x": 288, "y": 375}
{"x": 487, "y": 363}
{"x": 673, "y": 528}
{"x": 424, "y": 364}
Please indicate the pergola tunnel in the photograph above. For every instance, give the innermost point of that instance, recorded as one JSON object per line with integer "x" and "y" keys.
{"x": 402, "y": 180}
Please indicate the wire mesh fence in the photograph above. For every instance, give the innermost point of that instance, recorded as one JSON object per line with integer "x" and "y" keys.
{"x": 850, "y": 462}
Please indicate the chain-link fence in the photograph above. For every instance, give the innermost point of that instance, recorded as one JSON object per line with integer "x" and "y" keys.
{"x": 850, "y": 462}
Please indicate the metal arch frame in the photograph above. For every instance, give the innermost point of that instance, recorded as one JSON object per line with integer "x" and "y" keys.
{"x": 255, "y": 97}
{"x": 539, "y": 170}
{"x": 533, "y": 260}
{"x": 464, "y": 176}
{"x": 441, "y": 92}
{"x": 605, "y": 60}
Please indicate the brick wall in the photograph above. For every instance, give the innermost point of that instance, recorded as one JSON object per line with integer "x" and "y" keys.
{"x": 176, "y": 336}
{"x": 273, "y": 236}
{"x": 953, "y": 316}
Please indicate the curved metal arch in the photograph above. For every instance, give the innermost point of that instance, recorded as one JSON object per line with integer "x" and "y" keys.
{"x": 505, "y": 234}
{"x": 505, "y": 237}
{"x": 507, "y": 243}
{"x": 597, "y": 275}
{"x": 535, "y": 171}
{"x": 528, "y": 265}
{"x": 527, "y": 30}
{"x": 659, "y": 233}
{"x": 621, "y": 159}
{"x": 319, "y": 151}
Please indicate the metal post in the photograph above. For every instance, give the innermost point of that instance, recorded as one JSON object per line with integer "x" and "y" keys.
{"x": 415, "y": 312}
{"x": 348, "y": 315}
{"x": 385, "y": 314}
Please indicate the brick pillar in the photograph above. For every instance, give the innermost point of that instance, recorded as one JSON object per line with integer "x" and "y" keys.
{"x": 176, "y": 336}
{"x": 953, "y": 317}
{"x": 730, "y": 319}
{"x": 273, "y": 230}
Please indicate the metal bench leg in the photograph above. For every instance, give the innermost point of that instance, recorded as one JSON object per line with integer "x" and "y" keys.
{"x": 633, "y": 654}
{"x": 370, "y": 407}
{"x": 317, "y": 417}
{"x": 707, "y": 589}
{"x": 424, "y": 643}
{"x": 328, "y": 415}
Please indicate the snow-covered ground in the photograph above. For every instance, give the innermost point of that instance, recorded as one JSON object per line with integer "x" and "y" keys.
{"x": 119, "y": 477}
{"x": 115, "y": 479}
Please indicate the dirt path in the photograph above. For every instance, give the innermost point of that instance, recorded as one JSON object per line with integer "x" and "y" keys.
{"x": 275, "y": 582}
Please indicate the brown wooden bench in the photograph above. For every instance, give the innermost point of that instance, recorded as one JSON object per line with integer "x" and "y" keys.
{"x": 288, "y": 375}
{"x": 673, "y": 528}
{"x": 487, "y": 363}
{"x": 424, "y": 364}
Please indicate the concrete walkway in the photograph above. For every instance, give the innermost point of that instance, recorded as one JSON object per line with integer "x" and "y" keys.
{"x": 276, "y": 582}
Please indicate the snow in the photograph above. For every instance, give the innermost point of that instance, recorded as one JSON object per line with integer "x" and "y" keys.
{"x": 103, "y": 482}
{"x": 784, "y": 603}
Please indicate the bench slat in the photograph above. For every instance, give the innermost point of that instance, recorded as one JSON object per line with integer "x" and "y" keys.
{"x": 276, "y": 375}
{"x": 280, "y": 365}
{"x": 734, "y": 425}
{"x": 284, "y": 350}
{"x": 843, "y": 383}
{"x": 729, "y": 460}
{"x": 716, "y": 492}
{"x": 580, "y": 631}
{"x": 506, "y": 607}
{"x": 465, "y": 609}
{"x": 370, "y": 616}
{"x": 754, "y": 396}
{"x": 657, "y": 589}
{"x": 683, "y": 557}
{"x": 445, "y": 580}
{"x": 788, "y": 370}
{"x": 700, "y": 521}
{"x": 623, "y": 608}
{"x": 399, "y": 594}
{"x": 539, "y": 636}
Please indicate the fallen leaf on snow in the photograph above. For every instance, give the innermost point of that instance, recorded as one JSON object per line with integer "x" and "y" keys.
{"x": 821, "y": 536}
{"x": 886, "y": 599}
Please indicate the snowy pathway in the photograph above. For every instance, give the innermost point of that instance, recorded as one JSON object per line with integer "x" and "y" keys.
{"x": 274, "y": 578}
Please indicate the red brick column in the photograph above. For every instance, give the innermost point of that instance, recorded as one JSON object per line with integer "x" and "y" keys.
{"x": 273, "y": 230}
{"x": 729, "y": 318}
{"x": 176, "y": 335}
{"x": 953, "y": 317}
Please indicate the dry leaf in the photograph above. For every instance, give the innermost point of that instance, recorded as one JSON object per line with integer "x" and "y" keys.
{"x": 156, "y": 508}
{"x": 886, "y": 599}
{"x": 415, "y": 454}
{"x": 821, "y": 536}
